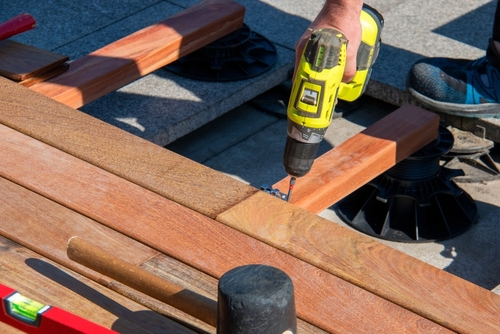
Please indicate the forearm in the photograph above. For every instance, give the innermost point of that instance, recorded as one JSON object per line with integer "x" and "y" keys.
{"x": 338, "y": 12}
{"x": 342, "y": 15}
{"x": 343, "y": 5}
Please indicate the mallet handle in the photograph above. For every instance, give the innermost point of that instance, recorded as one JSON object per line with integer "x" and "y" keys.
{"x": 135, "y": 277}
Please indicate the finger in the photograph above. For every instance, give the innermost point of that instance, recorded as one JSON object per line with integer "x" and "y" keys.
{"x": 350, "y": 67}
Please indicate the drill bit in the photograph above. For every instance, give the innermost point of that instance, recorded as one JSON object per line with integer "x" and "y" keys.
{"x": 292, "y": 184}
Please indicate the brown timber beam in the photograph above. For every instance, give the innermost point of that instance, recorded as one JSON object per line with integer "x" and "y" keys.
{"x": 361, "y": 158}
{"x": 142, "y": 52}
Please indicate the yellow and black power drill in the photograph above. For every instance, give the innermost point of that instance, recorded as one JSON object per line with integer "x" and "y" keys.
{"x": 318, "y": 84}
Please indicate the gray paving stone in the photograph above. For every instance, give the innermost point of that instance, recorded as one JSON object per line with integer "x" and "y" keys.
{"x": 223, "y": 133}
{"x": 120, "y": 28}
{"x": 162, "y": 106}
{"x": 281, "y": 21}
{"x": 60, "y": 22}
{"x": 414, "y": 29}
{"x": 258, "y": 159}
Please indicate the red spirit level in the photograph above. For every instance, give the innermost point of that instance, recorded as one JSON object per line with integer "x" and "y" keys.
{"x": 33, "y": 317}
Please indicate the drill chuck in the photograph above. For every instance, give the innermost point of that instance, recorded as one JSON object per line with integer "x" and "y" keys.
{"x": 299, "y": 157}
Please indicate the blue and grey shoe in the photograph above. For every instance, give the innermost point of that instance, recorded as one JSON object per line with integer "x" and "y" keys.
{"x": 456, "y": 86}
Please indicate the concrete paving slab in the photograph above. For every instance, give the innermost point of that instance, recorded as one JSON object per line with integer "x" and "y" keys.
{"x": 413, "y": 29}
{"x": 60, "y": 22}
{"x": 281, "y": 21}
{"x": 217, "y": 137}
{"x": 145, "y": 16}
{"x": 162, "y": 106}
{"x": 417, "y": 29}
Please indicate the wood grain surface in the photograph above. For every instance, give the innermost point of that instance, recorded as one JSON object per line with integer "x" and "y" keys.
{"x": 44, "y": 227}
{"x": 424, "y": 289}
{"x": 193, "y": 238}
{"x": 177, "y": 272}
{"x": 6, "y": 329}
{"x": 151, "y": 166}
{"x": 21, "y": 62}
{"x": 45, "y": 75}
{"x": 49, "y": 283}
{"x": 142, "y": 52}
{"x": 94, "y": 257}
{"x": 363, "y": 157}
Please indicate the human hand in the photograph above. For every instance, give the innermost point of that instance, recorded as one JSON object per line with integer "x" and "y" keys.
{"x": 344, "y": 16}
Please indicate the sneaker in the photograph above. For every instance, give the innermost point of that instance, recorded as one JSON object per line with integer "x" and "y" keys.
{"x": 456, "y": 86}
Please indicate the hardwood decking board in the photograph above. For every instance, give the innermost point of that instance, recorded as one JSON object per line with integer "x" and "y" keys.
{"x": 194, "y": 238}
{"x": 49, "y": 283}
{"x": 203, "y": 284}
{"x": 151, "y": 166}
{"x": 6, "y": 329}
{"x": 45, "y": 227}
{"x": 22, "y": 62}
{"x": 415, "y": 285}
{"x": 142, "y": 52}
{"x": 94, "y": 257}
{"x": 363, "y": 157}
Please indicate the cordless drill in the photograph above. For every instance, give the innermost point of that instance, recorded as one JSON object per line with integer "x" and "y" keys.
{"x": 318, "y": 84}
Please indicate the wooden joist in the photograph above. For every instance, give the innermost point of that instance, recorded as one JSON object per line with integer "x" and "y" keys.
{"x": 189, "y": 236}
{"x": 361, "y": 158}
{"x": 142, "y": 52}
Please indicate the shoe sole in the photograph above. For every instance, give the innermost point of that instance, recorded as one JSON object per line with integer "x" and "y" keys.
{"x": 483, "y": 110}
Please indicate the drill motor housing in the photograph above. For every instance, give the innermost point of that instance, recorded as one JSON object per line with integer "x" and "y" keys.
{"x": 318, "y": 84}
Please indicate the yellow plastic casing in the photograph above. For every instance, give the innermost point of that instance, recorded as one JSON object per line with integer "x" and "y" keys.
{"x": 367, "y": 53}
{"x": 324, "y": 84}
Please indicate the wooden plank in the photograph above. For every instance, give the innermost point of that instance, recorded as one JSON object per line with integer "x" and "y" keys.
{"x": 363, "y": 157}
{"x": 142, "y": 52}
{"x": 88, "y": 254}
{"x": 426, "y": 290}
{"x": 194, "y": 238}
{"x": 44, "y": 281}
{"x": 176, "y": 272}
{"x": 21, "y": 62}
{"x": 45, "y": 76}
{"x": 6, "y": 329}
{"x": 153, "y": 167}
{"x": 44, "y": 226}
{"x": 198, "y": 305}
